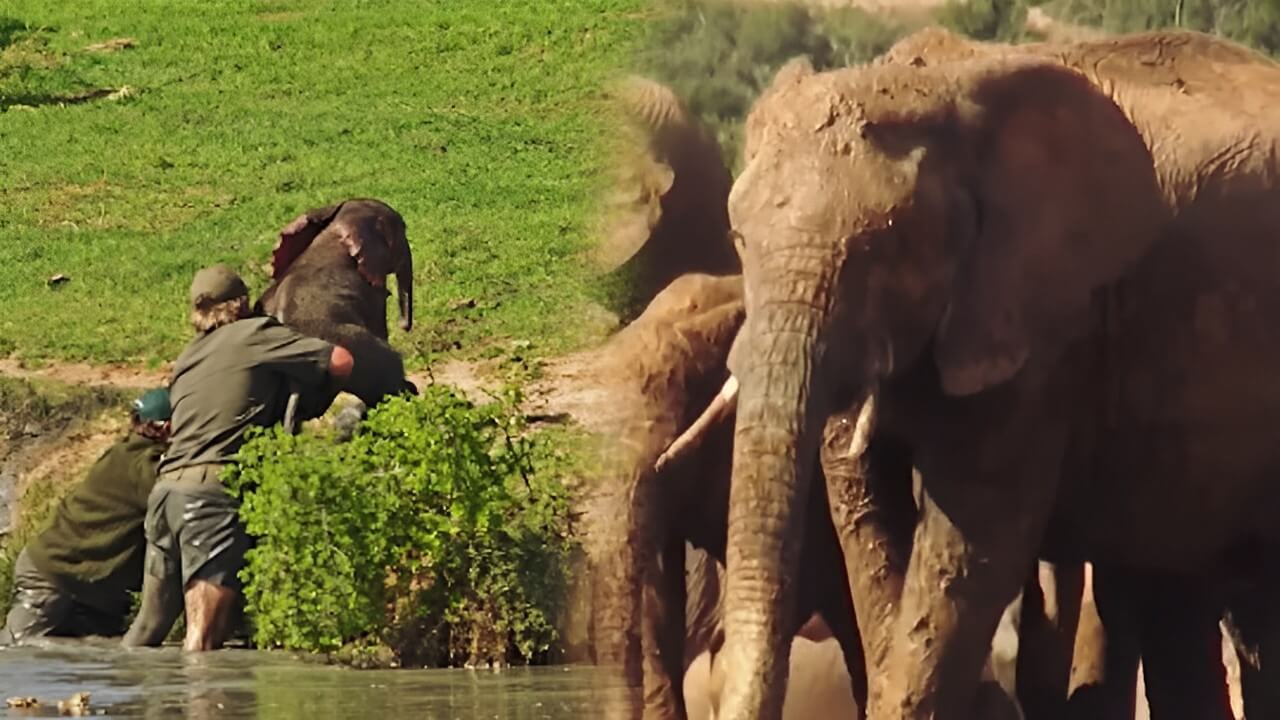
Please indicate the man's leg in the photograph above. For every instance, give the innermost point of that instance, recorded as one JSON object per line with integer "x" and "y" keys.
{"x": 214, "y": 544}
{"x": 39, "y": 605}
{"x": 162, "y": 579}
{"x": 209, "y": 607}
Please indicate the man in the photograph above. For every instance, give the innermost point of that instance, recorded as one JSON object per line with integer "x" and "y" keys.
{"x": 234, "y": 375}
{"x": 74, "y": 578}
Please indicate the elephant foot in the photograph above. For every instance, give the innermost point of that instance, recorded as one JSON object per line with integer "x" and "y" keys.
{"x": 347, "y": 421}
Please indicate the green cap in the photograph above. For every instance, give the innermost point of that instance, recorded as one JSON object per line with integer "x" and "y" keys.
{"x": 153, "y": 406}
{"x": 215, "y": 284}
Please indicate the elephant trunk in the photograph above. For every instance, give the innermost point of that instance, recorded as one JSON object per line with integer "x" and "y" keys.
{"x": 775, "y": 445}
{"x": 404, "y": 290}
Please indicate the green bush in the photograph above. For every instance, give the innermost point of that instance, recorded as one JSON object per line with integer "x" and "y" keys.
{"x": 439, "y": 535}
{"x": 1001, "y": 20}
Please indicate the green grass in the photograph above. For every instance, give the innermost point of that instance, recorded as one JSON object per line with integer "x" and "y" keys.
{"x": 482, "y": 122}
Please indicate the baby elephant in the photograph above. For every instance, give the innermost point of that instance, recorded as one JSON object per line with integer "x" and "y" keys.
{"x": 330, "y": 271}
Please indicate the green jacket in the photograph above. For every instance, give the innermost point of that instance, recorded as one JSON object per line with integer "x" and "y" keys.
{"x": 94, "y": 545}
{"x": 234, "y": 377}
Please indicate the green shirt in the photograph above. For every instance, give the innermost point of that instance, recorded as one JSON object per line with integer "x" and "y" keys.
{"x": 234, "y": 377}
{"x": 94, "y": 545}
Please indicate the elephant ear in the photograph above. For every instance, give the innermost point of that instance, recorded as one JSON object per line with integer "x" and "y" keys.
{"x": 296, "y": 237}
{"x": 1065, "y": 199}
{"x": 710, "y": 337}
{"x": 377, "y": 243}
{"x": 632, "y": 210}
{"x": 643, "y": 176}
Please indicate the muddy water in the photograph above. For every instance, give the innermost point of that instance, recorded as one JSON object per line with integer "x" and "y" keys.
{"x": 232, "y": 684}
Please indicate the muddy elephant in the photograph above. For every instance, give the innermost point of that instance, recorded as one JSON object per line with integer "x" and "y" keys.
{"x": 666, "y": 213}
{"x": 1049, "y": 274}
{"x": 665, "y": 367}
{"x": 329, "y": 272}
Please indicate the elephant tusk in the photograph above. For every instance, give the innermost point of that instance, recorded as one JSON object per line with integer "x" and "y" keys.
{"x": 291, "y": 423}
{"x": 720, "y": 406}
{"x": 863, "y": 427}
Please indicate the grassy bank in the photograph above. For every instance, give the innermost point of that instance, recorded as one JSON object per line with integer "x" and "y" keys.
{"x": 481, "y": 122}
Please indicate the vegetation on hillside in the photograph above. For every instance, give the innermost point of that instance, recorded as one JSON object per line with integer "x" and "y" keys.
{"x": 198, "y": 134}
{"x": 1253, "y": 22}
{"x": 719, "y": 54}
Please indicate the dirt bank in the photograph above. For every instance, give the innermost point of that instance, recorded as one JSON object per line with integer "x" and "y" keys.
{"x": 56, "y": 418}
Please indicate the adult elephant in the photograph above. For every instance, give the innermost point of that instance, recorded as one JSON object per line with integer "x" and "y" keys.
{"x": 1052, "y": 274}
{"x": 329, "y": 272}
{"x": 664, "y": 368}
{"x": 1166, "y": 621}
{"x": 666, "y": 213}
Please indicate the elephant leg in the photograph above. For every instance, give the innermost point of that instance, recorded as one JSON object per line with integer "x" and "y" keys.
{"x": 981, "y": 522}
{"x": 662, "y": 633}
{"x": 1182, "y": 651}
{"x": 616, "y": 590}
{"x": 832, "y": 596}
{"x": 1050, "y": 616}
{"x": 1256, "y": 636}
{"x": 1104, "y": 676}
{"x": 704, "y": 631}
{"x": 842, "y": 621}
{"x": 868, "y": 482}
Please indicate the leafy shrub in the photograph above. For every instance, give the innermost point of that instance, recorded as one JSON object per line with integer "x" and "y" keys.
{"x": 1002, "y": 20}
{"x": 437, "y": 534}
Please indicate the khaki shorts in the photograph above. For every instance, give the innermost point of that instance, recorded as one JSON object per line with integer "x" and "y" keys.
{"x": 193, "y": 529}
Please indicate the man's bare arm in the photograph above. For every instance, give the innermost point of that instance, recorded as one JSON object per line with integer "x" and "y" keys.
{"x": 341, "y": 363}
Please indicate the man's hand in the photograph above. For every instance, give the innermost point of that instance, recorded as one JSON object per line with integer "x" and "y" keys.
{"x": 341, "y": 363}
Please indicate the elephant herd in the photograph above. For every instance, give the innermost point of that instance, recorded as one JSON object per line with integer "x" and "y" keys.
{"x": 992, "y": 312}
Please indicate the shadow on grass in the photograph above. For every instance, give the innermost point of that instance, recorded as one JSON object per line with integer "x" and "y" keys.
{"x": 11, "y": 30}
{"x": 34, "y": 100}
{"x": 26, "y": 60}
